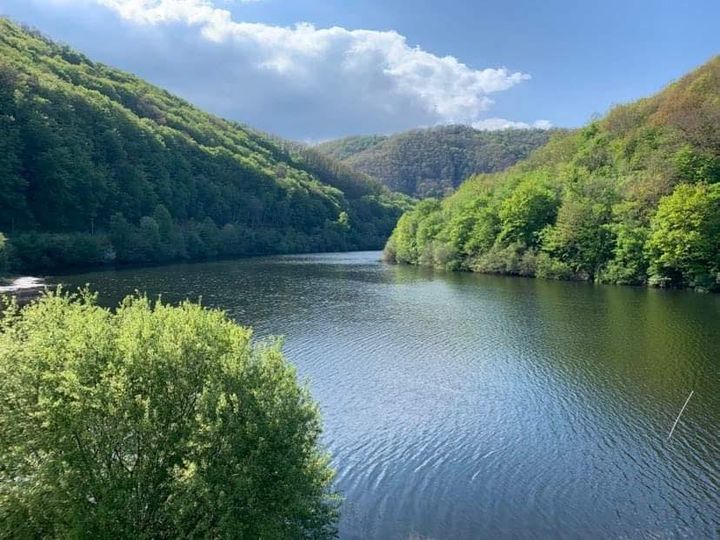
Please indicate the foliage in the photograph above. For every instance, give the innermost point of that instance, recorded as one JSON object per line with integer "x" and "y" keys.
{"x": 684, "y": 242}
{"x": 87, "y": 150}
{"x": 631, "y": 199}
{"x": 153, "y": 421}
{"x": 526, "y": 211}
{"x": 432, "y": 162}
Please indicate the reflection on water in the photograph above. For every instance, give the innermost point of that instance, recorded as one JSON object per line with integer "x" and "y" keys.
{"x": 459, "y": 406}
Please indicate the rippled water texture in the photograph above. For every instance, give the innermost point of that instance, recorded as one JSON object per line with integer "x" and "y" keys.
{"x": 465, "y": 406}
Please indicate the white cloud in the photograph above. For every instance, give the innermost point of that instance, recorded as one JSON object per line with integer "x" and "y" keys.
{"x": 494, "y": 124}
{"x": 299, "y": 81}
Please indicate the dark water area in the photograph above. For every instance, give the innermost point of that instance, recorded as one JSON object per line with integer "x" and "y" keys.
{"x": 467, "y": 406}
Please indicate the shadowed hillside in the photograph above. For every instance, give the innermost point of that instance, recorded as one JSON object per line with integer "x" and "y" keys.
{"x": 433, "y": 162}
{"x": 97, "y": 166}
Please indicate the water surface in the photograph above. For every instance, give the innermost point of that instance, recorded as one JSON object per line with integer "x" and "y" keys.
{"x": 466, "y": 406}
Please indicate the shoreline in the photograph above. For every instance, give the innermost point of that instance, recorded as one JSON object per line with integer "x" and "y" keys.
{"x": 25, "y": 285}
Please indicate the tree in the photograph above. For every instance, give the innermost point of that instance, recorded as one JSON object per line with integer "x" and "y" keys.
{"x": 343, "y": 221}
{"x": 404, "y": 238}
{"x": 581, "y": 237}
{"x": 529, "y": 208}
{"x": 165, "y": 223}
{"x": 684, "y": 243}
{"x": 153, "y": 421}
{"x": 149, "y": 239}
{"x": 123, "y": 237}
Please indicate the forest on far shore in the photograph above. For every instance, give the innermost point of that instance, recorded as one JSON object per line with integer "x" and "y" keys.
{"x": 99, "y": 167}
{"x": 633, "y": 198}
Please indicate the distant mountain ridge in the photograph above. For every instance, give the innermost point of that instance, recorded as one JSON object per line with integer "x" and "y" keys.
{"x": 97, "y": 166}
{"x": 434, "y": 161}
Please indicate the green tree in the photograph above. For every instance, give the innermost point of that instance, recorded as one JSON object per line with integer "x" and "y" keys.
{"x": 150, "y": 239}
{"x": 405, "y": 236}
{"x": 165, "y": 223}
{"x": 343, "y": 221}
{"x": 529, "y": 209}
{"x": 694, "y": 166}
{"x": 153, "y": 421}
{"x": 684, "y": 243}
{"x": 123, "y": 236}
{"x": 581, "y": 237}
{"x": 629, "y": 262}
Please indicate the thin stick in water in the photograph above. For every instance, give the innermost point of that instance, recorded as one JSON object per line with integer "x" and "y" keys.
{"x": 679, "y": 415}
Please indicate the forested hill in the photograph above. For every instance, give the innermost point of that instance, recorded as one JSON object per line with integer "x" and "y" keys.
{"x": 98, "y": 166}
{"x": 434, "y": 161}
{"x": 633, "y": 198}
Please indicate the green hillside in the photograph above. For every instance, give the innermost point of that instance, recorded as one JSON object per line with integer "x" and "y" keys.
{"x": 434, "y": 161}
{"x": 97, "y": 166}
{"x": 633, "y": 198}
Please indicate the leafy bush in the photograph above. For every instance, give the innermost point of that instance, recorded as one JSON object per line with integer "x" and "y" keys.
{"x": 153, "y": 421}
{"x": 511, "y": 259}
{"x": 684, "y": 243}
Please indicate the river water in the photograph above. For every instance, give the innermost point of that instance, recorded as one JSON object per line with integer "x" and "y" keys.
{"x": 466, "y": 406}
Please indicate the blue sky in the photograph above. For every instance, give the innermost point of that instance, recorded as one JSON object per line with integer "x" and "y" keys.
{"x": 383, "y": 66}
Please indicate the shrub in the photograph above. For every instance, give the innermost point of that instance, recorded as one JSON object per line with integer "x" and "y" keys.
{"x": 684, "y": 242}
{"x": 153, "y": 422}
{"x": 547, "y": 267}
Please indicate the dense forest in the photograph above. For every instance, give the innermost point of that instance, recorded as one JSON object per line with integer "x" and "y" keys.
{"x": 633, "y": 198}
{"x": 434, "y": 161}
{"x": 97, "y": 166}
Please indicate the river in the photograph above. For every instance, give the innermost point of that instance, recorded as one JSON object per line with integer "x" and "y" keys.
{"x": 465, "y": 406}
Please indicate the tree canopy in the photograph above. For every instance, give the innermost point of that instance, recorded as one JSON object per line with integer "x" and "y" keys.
{"x": 153, "y": 421}
{"x": 434, "y": 161}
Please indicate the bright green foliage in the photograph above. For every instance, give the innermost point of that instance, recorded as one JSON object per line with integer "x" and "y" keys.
{"x": 694, "y": 166}
{"x": 582, "y": 206}
{"x": 526, "y": 211}
{"x": 433, "y": 162}
{"x": 409, "y": 244}
{"x": 580, "y": 237}
{"x": 684, "y": 242}
{"x": 89, "y": 150}
{"x": 485, "y": 228}
{"x": 153, "y": 421}
{"x": 344, "y": 220}
{"x": 629, "y": 263}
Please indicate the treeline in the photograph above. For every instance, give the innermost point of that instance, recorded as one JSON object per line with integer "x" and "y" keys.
{"x": 158, "y": 239}
{"x": 98, "y": 166}
{"x": 633, "y": 198}
{"x": 433, "y": 162}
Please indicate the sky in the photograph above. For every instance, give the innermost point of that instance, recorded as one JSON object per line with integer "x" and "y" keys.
{"x": 314, "y": 70}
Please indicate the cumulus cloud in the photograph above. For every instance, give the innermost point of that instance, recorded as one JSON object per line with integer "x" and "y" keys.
{"x": 495, "y": 124}
{"x": 299, "y": 81}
